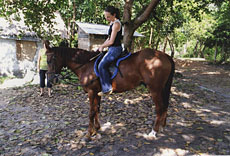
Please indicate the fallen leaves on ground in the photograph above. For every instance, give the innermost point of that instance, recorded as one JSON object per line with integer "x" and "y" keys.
{"x": 198, "y": 119}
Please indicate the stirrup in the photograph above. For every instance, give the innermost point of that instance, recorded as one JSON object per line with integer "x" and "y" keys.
{"x": 107, "y": 93}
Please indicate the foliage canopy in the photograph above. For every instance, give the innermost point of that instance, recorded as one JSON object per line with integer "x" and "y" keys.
{"x": 193, "y": 26}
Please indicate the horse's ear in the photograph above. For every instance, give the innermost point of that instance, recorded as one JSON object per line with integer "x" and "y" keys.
{"x": 47, "y": 44}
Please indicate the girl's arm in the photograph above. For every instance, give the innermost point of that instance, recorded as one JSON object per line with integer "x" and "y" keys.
{"x": 38, "y": 61}
{"x": 116, "y": 27}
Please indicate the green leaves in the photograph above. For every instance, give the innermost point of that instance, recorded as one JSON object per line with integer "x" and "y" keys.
{"x": 180, "y": 21}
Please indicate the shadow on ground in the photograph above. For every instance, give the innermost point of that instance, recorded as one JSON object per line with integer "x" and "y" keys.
{"x": 198, "y": 121}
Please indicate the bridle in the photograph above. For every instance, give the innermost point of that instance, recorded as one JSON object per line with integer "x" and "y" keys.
{"x": 53, "y": 72}
{"x": 67, "y": 73}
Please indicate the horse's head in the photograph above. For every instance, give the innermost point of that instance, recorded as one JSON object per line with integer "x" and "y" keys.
{"x": 54, "y": 62}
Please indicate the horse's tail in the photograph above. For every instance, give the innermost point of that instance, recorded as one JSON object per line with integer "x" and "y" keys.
{"x": 167, "y": 88}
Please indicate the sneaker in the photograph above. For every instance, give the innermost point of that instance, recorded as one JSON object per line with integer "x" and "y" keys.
{"x": 107, "y": 93}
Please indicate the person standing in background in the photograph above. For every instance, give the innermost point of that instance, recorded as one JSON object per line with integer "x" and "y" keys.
{"x": 42, "y": 68}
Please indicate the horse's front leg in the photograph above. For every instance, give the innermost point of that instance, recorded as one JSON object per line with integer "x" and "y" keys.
{"x": 94, "y": 123}
{"x": 97, "y": 100}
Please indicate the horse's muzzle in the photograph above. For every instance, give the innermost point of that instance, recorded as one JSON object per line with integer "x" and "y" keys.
{"x": 53, "y": 78}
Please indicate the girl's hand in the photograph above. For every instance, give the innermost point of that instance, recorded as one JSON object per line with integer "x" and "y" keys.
{"x": 100, "y": 49}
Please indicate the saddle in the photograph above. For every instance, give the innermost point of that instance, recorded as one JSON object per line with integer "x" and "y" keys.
{"x": 114, "y": 66}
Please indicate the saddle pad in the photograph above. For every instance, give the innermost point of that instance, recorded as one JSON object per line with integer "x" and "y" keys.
{"x": 113, "y": 68}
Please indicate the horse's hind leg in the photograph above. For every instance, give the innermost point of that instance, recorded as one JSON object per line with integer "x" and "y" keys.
{"x": 161, "y": 111}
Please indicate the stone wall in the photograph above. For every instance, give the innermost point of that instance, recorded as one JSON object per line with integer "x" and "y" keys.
{"x": 18, "y": 57}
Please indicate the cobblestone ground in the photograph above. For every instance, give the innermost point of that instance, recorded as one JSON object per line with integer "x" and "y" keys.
{"x": 198, "y": 119}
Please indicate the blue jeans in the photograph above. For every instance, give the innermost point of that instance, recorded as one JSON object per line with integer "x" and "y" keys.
{"x": 103, "y": 68}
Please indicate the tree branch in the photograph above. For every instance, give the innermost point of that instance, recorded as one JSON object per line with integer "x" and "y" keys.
{"x": 144, "y": 16}
{"x": 156, "y": 18}
{"x": 127, "y": 11}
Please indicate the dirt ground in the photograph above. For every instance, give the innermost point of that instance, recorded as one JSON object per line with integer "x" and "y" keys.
{"x": 198, "y": 119}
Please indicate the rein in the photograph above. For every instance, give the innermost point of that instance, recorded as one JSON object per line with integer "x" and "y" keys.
{"x": 66, "y": 76}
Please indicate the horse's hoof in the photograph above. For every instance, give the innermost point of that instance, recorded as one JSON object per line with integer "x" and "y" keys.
{"x": 87, "y": 137}
{"x": 105, "y": 126}
{"x": 151, "y": 135}
{"x": 98, "y": 127}
{"x": 94, "y": 133}
{"x": 96, "y": 137}
{"x": 91, "y": 133}
{"x": 161, "y": 129}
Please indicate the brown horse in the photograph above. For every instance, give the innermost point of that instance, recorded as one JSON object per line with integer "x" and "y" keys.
{"x": 151, "y": 67}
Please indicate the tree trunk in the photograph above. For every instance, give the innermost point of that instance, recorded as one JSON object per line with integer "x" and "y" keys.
{"x": 69, "y": 31}
{"x": 165, "y": 45}
{"x": 202, "y": 51}
{"x": 172, "y": 48}
{"x": 157, "y": 44}
{"x": 131, "y": 25}
{"x": 128, "y": 24}
{"x": 73, "y": 24}
{"x": 69, "y": 26}
{"x": 150, "y": 38}
{"x": 199, "y": 51}
{"x": 128, "y": 37}
{"x": 223, "y": 53}
{"x": 215, "y": 52}
{"x": 195, "y": 49}
{"x": 185, "y": 47}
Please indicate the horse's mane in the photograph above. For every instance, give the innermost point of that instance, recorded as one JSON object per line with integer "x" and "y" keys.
{"x": 77, "y": 55}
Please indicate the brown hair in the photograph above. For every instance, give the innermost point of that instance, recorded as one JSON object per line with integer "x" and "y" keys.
{"x": 112, "y": 10}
